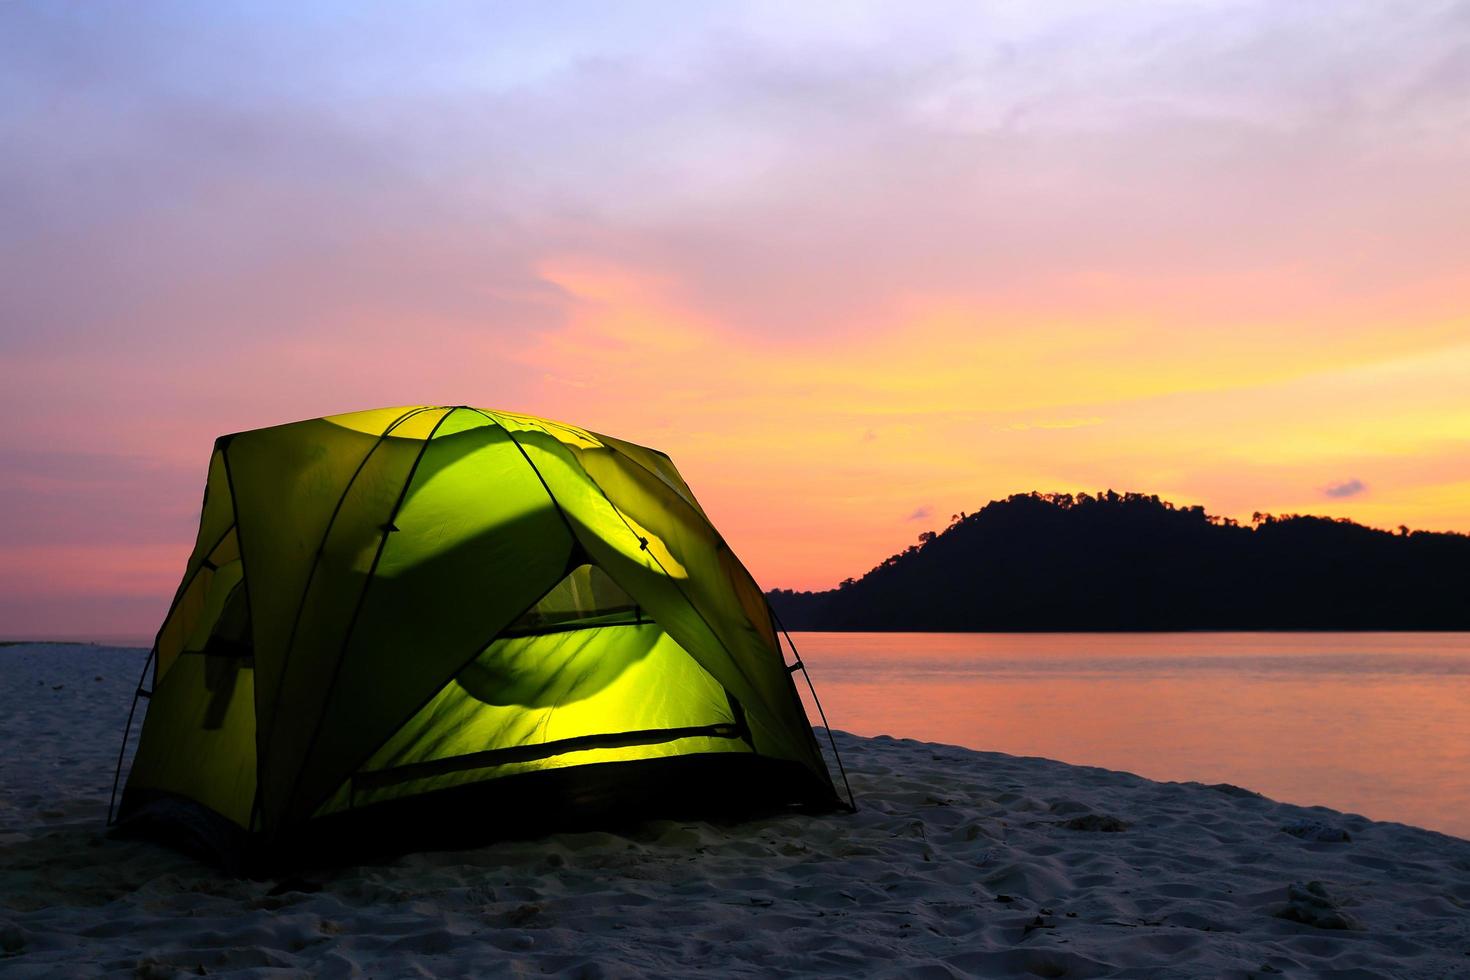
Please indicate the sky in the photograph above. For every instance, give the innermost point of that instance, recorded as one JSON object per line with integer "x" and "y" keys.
{"x": 855, "y": 267}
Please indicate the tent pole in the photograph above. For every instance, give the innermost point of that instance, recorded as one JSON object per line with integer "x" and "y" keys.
{"x": 801, "y": 665}
{"x": 127, "y": 730}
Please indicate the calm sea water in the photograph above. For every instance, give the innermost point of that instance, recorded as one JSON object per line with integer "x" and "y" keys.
{"x": 1373, "y": 723}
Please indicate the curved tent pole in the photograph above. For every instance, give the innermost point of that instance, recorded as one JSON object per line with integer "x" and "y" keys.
{"x": 851, "y": 800}
{"x": 801, "y": 666}
{"x": 642, "y": 541}
{"x": 127, "y": 730}
{"x": 138, "y": 691}
{"x": 261, "y": 749}
{"x": 372, "y": 573}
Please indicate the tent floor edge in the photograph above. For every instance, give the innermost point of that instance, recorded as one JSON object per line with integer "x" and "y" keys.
{"x": 187, "y": 826}
{"x": 722, "y": 788}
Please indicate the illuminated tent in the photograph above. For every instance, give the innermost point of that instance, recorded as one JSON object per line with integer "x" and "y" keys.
{"x": 421, "y": 623}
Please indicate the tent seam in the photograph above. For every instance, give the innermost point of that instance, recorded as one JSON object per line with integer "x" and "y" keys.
{"x": 682, "y": 594}
{"x": 357, "y": 610}
{"x": 261, "y": 747}
{"x": 530, "y": 751}
{"x": 173, "y": 607}
{"x": 249, "y": 604}
{"x": 690, "y": 501}
{"x": 490, "y": 417}
{"x": 479, "y": 649}
{"x": 184, "y": 587}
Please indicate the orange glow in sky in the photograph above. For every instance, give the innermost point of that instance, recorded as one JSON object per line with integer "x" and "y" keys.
{"x": 855, "y": 272}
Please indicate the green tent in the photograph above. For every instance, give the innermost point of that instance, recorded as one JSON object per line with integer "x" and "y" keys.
{"x": 405, "y": 626}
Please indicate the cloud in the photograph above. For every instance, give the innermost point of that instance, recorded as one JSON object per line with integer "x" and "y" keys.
{"x": 792, "y": 174}
{"x": 921, "y": 513}
{"x": 1348, "y": 488}
{"x": 837, "y": 224}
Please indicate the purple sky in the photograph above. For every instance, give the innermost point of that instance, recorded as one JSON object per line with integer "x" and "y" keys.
{"x": 941, "y": 252}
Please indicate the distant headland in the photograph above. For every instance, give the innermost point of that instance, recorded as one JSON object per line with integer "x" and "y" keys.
{"x": 1130, "y": 561}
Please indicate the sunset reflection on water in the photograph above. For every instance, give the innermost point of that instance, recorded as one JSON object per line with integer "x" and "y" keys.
{"x": 1372, "y": 723}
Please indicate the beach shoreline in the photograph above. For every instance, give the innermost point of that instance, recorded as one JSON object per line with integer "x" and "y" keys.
{"x": 958, "y": 863}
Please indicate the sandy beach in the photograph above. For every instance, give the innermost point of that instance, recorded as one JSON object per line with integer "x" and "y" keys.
{"x": 959, "y": 863}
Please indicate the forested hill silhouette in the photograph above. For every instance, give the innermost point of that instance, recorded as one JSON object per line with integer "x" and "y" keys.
{"x": 1134, "y": 562}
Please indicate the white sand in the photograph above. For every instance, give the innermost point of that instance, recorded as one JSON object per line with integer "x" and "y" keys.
{"x": 958, "y": 865}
